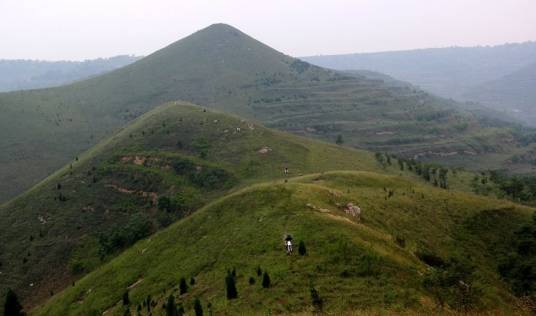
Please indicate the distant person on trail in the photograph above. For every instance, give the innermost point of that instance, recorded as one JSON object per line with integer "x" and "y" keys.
{"x": 288, "y": 244}
{"x": 286, "y": 171}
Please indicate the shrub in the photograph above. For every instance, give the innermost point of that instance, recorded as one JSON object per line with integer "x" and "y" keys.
{"x": 198, "y": 308}
{"x": 180, "y": 310}
{"x": 12, "y": 306}
{"x": 120, "y": 236}
{"x": 211, "y": 178}
{"x": 171, "y": 308}
{"x": 266, "y": 282}
{"x": 183, "y": 166}
{"x": 126, "y": 300}
{"x": 201, "y": 146}
{"x": 251, "y": 280}
{"x": 164, "y": 203}
{"x": 316, "y": 300}
{"x": 230, "y": 286}
{"x": 301, "y": 248}
{"x": 453, "y": 284}
{"x": 400, "y": 241}
{"x": 430, "y": 258}
{"x": 183, "y": 287}
{"x": 339, "y": 140}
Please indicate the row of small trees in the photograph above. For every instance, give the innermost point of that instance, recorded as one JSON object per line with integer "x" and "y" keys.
{"x": 437, "y": 175}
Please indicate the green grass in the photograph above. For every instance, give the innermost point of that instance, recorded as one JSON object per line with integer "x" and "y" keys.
{"x": 222, "y": 68}
{"x": 50, "y": 243}
{"x": 45, "y": 239}
{"x": 355, "y": 266}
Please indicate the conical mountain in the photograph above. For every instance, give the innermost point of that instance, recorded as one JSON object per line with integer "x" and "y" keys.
{"x": 223, "y": 68}
{"x": 43, "y": 129}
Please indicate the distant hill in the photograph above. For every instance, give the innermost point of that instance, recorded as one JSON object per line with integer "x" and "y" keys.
{"x": 514, "y": 93}
{"x": 74, "y": 236}
{"x": 447, "y": 72}
{"x": 34, "y": 74}
{"x": 225, "y": 69}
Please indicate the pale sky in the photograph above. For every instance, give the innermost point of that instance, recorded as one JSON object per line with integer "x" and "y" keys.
{"x": 81, "y": 29}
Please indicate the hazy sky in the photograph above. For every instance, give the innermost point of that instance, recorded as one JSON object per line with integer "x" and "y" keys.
{"x": 80, "y": 29}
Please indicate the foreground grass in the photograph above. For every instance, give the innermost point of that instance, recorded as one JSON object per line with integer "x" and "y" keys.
{"x": 354, "y": 266}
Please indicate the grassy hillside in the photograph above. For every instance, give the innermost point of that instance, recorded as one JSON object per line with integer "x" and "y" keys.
{"x": 374, "y": 266}
{"x": 165, "y": 165}
{"x": 223, "y": 68}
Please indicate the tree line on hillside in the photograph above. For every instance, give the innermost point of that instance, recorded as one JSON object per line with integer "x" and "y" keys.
{"x": 519, "y": 188}
{"x": 432, "y": 173}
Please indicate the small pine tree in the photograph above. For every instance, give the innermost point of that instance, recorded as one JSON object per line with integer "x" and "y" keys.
{"x": 148, "y": 301}
{"x": 192, "y": 281}
{"x": 259, "y": 271}
{"x": 12, "y": 306}
{"x": 266, "y": 280}
{"x": 126, "y": 300}
{"x": 316, "y": 300}
{"x": 171, "y": 308}
{"x": 230, "y": 286}
{"x": 198, "y": 309}
{"x": 183, "y": 286}
{"x": 400, "y": 164}
{"x": 339, "y": 140}
{"x": 301, "y": 248}
{"x": 180, "y": 310}
{"x": 251, "y": 280}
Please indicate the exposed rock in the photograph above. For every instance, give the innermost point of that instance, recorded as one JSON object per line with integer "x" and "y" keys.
{"x": 139, "y": 160}
{"x": 385, "y": 133}
{"x": 264, "y": 150}
{"x": 353, "y": 210}
{"x": 88, "y": 209}
{"x": 41, "y": 219}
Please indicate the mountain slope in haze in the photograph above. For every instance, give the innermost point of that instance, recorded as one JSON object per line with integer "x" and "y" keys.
{"x": 223, "y": 68}
{"x": 364, "y": 267}
{"x": 162, "y": 167}
{"x": 33, "y": 74}
{"x": 448, "y": 72}
{"x": 513, "y": 93}
{"x": 43, "y": 129}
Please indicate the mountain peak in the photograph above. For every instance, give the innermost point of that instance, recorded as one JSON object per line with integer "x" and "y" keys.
{"x": 221, "y": 26}
{"x": 219, "y": 31}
